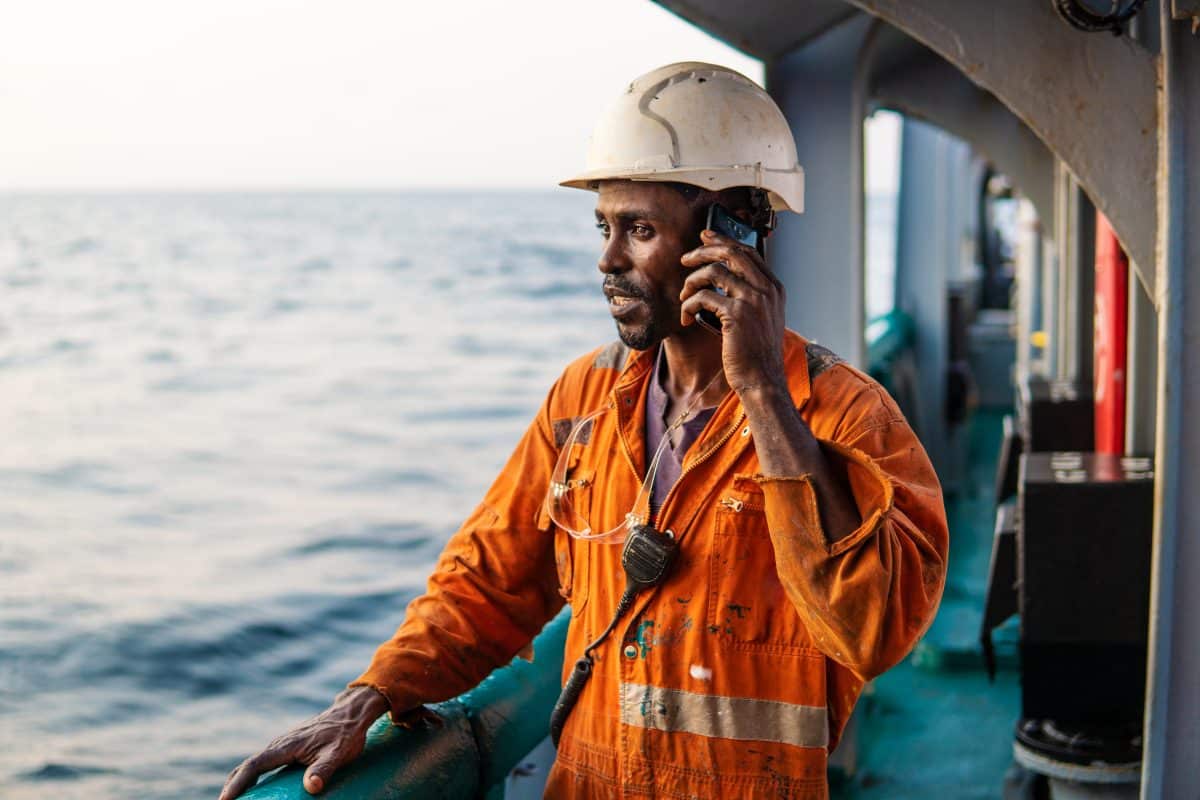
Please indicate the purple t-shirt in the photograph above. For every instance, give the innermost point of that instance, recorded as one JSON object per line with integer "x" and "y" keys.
{"x": 671, "y": 464}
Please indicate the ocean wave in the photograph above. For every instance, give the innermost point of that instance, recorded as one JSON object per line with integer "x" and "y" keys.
{"x": 392, "y": 537}
{"x": 77, "y": 476}
{"x": 57, "y": 771}
{"x": 374, "y": 480}
{"x": 209, "y": 650}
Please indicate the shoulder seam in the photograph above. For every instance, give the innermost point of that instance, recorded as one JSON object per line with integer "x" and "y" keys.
{"x": 611, "y": 356}
{"x": 820, "y": 359}
{"x": 877, "y": 426}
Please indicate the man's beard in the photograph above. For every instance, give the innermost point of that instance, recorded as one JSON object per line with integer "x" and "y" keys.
{"x": 642, "y": 335}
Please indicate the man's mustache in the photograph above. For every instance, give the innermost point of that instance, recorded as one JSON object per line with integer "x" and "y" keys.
{"x": 621, "y": 286}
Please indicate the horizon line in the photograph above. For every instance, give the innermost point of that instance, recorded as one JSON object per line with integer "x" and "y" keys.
{"x": 269, "y": 189}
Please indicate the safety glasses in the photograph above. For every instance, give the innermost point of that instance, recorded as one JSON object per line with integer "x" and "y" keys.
{"x": 565, "y": 501}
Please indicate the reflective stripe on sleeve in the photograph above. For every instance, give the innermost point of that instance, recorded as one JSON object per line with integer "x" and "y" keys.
{"x": 741, "y": 718}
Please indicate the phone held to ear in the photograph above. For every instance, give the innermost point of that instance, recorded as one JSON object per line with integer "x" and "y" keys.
{"x": 726, "y": 224}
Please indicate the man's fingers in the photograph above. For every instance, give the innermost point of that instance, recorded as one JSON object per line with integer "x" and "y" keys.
{"x": 712, "y": 237}
{"x": 238, "y": 782}
{"x": 317, "y": 776}
{"x": 719, "y": 304}
{"x": 760, "y": 266}
{"x": 740, "y": 260}
{"x": 246, "y": 774}
{"x": 714, "y": 275}
{"x": 708, "y": 253}
{"x": 235, "y": 784}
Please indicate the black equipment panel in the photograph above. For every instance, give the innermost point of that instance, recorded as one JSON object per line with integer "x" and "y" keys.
{"x": 1083, "y": 571}
{"x": 1057, "y": 416}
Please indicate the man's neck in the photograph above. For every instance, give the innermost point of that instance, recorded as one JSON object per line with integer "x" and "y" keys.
{"x": 693, "y": 358}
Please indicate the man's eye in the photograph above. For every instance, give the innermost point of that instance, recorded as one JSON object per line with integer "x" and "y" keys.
{"x": 641, "y": 230}
{"x": 603, "y": 228}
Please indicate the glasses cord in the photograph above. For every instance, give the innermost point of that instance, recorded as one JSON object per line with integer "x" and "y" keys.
{"x": 665, "y": 438}
{"x": 582, "y": 671}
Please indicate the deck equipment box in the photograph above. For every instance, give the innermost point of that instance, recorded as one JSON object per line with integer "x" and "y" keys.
{"x": 1083, "y": 572}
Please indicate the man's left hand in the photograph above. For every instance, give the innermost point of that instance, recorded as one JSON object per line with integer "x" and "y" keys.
{"x": 751, "y": 310}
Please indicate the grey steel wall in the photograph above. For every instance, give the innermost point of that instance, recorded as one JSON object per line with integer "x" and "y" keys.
{"x": 818, "y": 254}
{"x": 936, "y": 217}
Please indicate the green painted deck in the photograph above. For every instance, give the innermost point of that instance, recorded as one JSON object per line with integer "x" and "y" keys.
{"x": 934, "y": 726}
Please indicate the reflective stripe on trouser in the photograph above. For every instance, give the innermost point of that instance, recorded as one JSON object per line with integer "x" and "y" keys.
{"x": 720, "y": 717}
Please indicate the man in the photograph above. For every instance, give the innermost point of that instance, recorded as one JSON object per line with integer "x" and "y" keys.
{"x": 806, "y": 522}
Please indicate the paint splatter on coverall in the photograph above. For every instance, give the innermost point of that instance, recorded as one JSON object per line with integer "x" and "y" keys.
{"x": 736, "y": 675}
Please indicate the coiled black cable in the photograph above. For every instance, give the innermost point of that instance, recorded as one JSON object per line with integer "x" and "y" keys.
{"x": 646, "y": 559}
{"x": 583, "y": 667}
{"x": 1079, "y": 16}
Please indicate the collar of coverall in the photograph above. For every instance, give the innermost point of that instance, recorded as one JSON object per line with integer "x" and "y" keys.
{"x": 640, "y": 363}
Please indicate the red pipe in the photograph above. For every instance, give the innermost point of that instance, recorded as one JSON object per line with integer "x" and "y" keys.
{"x": 1111, "y": 322}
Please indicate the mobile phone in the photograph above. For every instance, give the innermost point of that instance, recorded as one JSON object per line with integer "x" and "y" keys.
{"x": 726, "y": 224}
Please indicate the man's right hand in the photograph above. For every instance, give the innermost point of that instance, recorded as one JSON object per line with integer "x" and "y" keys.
{"x": 325, "y": 743}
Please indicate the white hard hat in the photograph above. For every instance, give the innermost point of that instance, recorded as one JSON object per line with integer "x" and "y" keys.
{"x": 699, "y": 124}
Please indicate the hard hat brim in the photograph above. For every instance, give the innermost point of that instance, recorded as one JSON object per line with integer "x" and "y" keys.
{"x": 785, "y": 188}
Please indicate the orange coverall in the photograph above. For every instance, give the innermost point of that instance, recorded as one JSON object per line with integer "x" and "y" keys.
{"x": 736, "y": 675}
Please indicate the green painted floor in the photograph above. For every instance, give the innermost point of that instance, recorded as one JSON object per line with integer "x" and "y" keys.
{"x": 934, "y": 727}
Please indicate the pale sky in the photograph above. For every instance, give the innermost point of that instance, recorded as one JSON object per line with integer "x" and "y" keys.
{"x": 146, "y": 94}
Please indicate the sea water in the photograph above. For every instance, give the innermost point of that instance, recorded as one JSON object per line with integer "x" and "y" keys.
{"x": 237, "y": 430}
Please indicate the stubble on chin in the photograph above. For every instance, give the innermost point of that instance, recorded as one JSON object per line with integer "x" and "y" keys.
{"x": 641, "y": 337}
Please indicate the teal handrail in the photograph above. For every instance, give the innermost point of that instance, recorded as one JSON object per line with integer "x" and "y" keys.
{"x": 481, "y": 736}
{"x": 888, "y": 337}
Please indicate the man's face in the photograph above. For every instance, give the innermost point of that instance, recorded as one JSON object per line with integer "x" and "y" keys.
{"x": 646, "y": 228}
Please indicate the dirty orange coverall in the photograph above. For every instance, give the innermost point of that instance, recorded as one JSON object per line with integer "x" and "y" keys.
{"x": 736, "y": 675}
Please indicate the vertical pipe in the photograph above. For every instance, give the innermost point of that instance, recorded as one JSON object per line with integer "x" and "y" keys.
{"x": 1141, "y": 371}
{"x": 1063, "y": 333}
{"x": 1083, "y": 220}
{"x": 1028, "y": 239}
{"x": 860, "y": 90}
{"x": 1047, "y": 308}
{"x": 1172, "y": 722}
{"x": 1074, "y": 237}
{"x": 1111, "y": 338}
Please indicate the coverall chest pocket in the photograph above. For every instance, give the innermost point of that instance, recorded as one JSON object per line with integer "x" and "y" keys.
{"x": 571, "y": 555}
{"x": 746, "y": 600}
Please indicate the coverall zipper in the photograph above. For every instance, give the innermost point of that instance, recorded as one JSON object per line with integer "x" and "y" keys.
{"x": 699, "y": 460}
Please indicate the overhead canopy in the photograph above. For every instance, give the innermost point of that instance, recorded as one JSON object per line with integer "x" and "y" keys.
{"x": 1091, "y": 99}
{"x": 763, "y": 30}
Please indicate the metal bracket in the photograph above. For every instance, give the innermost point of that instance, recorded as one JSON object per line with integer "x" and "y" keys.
{"x": 1187, "y": 9}
{"x": 1184, "y": 9}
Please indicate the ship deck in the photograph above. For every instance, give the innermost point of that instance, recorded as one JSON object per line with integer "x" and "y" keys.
{"x": 934, "y": 726}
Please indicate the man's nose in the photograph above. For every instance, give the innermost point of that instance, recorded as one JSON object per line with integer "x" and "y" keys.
{"x": 613, "y": 258}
